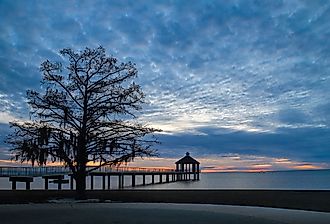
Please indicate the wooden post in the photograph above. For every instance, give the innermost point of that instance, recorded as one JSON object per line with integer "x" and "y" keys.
{"x": 133, "y": 180}
{"x": 60, "y": 182}
{"x": 71, "y": 182}
{"x": 46, "y": 183}
{"x": 27, "y": 185}
{"x": 103, "y": 181}
{"x": 122, "y": 179}
{"x": 152, "y": 178}
{"x": 108, "y": 181}
{"x": 13, "y": 185}
{"x": 193, "y": 170}
{"x": 197, "y": 171}
{"x": 160, "y": 178}
{"x": 143, "y": 179}
{"x": 167, "y": 178}
{"x": 26, "y": 180}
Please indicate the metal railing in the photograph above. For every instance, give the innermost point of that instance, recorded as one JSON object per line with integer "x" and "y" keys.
{"x": 52, "y": 170}
{"x": 133, "y": 169}
{"x": 33, "y": 171}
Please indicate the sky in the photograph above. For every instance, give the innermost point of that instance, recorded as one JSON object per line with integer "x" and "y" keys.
{"x": 243, "y": 85}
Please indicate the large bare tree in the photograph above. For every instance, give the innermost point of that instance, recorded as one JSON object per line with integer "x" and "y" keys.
{"x": 84, "y": 113}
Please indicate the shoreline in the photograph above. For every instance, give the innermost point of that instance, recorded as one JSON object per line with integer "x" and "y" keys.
{"x": 162, "y": 213}
{"x": 312, "y": 200}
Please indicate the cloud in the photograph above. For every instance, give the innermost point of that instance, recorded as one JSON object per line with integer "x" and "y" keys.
{"x": 256, "y": 73}
{"x": 301, "y": 144}
{"x": 6, "y": 118}
{"x": 233, "y": 163}
{"x": 292, "y": 116}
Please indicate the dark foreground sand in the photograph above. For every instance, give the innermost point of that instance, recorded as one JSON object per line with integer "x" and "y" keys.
{"x": 293, "y": 199}
{"x": 117, "y": 213}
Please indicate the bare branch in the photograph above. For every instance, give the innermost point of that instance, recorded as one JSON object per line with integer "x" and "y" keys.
{"x": 73, "y": 119}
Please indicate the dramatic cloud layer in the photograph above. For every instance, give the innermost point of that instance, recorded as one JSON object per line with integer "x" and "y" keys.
{"x": 248, "y": 79}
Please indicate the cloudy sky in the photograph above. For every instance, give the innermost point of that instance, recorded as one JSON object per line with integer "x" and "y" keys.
{"x": 241, "y": 84}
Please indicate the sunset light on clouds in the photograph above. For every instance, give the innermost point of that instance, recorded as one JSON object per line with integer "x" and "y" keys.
{"x": 242, "y": 85}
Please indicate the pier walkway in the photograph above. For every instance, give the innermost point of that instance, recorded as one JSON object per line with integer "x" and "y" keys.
{"x": 187, "y": 169}
{"x": 58, "y": 173}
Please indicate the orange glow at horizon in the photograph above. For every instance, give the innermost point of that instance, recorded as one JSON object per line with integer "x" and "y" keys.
{"x": 261, "y": 166}
{"x": 235, "y": 171}
{"x": 211, "y": 164}
{"x": 307, "y": 167}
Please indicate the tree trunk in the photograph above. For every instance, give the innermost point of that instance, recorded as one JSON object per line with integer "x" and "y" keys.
{"x": 81, "y": 167}
{"x": 81, "y": 184}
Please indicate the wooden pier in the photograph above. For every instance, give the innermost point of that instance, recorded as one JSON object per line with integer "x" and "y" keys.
{"x": 187, "y": 169}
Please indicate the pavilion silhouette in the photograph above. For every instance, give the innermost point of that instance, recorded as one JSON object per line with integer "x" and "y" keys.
{"x": 187, "y": 166}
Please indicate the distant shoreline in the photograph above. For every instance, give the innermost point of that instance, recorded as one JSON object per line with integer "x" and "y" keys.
{"x": 313, "y": 200}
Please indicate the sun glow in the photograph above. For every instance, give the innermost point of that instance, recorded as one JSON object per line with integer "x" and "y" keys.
{"x": 210, "y": 164}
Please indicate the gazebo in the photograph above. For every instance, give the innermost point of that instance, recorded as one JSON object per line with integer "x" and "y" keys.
{"x": 187, "y": 166}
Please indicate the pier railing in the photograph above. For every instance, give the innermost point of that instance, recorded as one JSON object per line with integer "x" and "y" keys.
{"x": 112, "y": 169}
{"x": 57, "y": 175}
{"x": 61, "y": 170}
{"x": 33, "y": 171}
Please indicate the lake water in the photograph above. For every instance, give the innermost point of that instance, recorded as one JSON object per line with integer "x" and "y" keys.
{"x": 308, "y": 180}
{"x": 304, "y": 180}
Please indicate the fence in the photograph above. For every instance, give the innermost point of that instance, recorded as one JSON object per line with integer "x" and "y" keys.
{"x": 52, "y": 170}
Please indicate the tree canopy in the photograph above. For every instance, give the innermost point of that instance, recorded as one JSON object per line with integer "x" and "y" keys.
{"x": 84, "y": 113}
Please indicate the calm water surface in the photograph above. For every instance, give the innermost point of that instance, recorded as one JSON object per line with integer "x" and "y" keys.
{"x": 308, "y": 180}
{"x": 313, "y": 180}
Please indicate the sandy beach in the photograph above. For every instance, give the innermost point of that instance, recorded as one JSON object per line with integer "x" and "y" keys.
{"x": 165, "y": 206}
{"x": 83, "y": 213}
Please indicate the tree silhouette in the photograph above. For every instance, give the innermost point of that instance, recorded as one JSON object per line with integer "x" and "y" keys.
{"x": 86, "y": 115}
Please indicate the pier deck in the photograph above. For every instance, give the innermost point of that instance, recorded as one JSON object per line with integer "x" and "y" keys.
{"x": 57, "y": 175}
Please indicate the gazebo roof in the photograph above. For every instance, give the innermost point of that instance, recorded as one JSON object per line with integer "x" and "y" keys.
{"x": 187, "y": 160}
